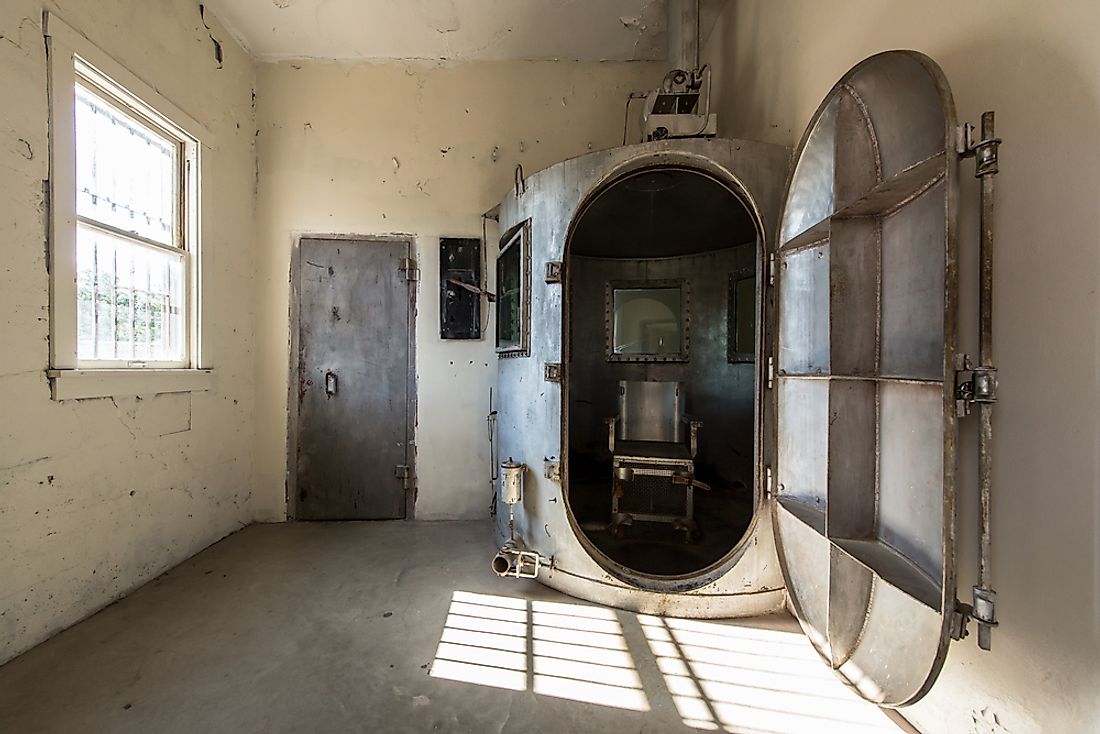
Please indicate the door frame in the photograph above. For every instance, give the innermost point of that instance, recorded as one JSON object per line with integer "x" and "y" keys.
{"x": 291, "y": 484}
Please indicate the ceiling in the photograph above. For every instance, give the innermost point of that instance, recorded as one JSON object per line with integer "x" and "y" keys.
{"x": 662, "y": 213}
{"x": 454, "y": 30}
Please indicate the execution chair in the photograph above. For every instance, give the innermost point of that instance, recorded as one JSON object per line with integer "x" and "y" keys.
{"x": 653, "y": 446}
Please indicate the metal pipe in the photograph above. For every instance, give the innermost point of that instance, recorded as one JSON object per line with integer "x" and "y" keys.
{"x": 514, "y": 560}
{"x": 985, "y": 386}
{"x": 683, "y": 34}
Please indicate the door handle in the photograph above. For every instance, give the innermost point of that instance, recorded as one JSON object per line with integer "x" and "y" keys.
{"x": 331, "y": 383}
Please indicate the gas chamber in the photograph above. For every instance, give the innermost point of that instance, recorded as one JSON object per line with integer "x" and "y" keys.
{"x": 728, "y": 378}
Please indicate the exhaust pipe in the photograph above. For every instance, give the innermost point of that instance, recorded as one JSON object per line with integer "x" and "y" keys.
{"x": 683, "y": 34}
{"x": 512, "y": 561}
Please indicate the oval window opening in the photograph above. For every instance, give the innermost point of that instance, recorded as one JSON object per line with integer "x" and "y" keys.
{"x": 663, "y": 333}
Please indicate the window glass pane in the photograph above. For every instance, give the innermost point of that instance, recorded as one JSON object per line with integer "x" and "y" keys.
{"x": 127, "y": 174}
{"x": 130, "y": 300}
{"x": 647, "y": 321}
{"x": 510, "y": 297}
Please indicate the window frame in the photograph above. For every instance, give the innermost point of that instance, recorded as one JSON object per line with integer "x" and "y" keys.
{"x": 519, "y": 236}
{"x": 71, "y": 57}
{"x": 681, "y": 284}
{"x": 733, "y": 316}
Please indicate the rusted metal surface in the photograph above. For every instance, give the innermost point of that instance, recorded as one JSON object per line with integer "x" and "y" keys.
{"x": 985, "y": 387}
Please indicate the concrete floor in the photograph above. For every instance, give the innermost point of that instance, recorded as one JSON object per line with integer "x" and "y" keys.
{"x": 337, "y": 627}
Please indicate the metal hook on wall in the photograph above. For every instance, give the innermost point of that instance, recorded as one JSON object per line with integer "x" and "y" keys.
{"x": 520, "y": 181}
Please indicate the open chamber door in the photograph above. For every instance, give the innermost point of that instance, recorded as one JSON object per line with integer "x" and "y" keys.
{"x": 865, "y": 424}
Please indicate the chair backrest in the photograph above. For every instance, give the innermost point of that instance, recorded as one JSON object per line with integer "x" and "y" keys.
{"x": 650, "y": 411}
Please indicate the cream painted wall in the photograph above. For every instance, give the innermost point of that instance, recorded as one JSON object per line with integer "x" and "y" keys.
{"x": 99, "y": 496}
{"x": 424, "y": 149}
{"x": 1038, "y": 65}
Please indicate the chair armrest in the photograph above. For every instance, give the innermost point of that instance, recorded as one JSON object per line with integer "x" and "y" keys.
{"x": 693, "y": 433}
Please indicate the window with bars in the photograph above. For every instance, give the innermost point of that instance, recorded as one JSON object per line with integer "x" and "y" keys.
{"x": 124, "y": 217}
{"x": 131, "y": 257}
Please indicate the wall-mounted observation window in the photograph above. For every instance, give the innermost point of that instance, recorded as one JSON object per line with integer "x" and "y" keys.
{"x": 742, "y": 318}
{"x": 647, "y": 321}
{"x": 514, "y": 293}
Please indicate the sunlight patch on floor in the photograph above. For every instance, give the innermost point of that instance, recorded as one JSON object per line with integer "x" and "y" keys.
{"x": 720, "y": 677}
{"x": 754, "y": 681}
{"x": 566, "y": 651}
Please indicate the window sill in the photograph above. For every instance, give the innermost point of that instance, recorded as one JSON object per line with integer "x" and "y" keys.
{"x": 114, "y": 383}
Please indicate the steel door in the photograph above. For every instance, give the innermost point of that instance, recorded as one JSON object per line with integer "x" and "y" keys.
{"x": 355, "y": 309}
{"x": 865, "y": 350}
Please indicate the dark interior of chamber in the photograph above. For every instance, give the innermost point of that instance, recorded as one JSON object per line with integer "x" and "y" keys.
{"x": 662, "y": 288}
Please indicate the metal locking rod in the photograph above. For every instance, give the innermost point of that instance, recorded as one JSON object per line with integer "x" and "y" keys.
{"x": 985, "y": 383}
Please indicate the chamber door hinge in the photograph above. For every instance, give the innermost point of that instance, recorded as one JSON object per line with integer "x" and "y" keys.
{"x": 960, "y": 618}
{"x": 769, "y": 492}
{"x": 973, "y": 384}
{"x": 771, "y": 269}
{"x": 409, "y": 268}
{"x": 402, "y": 472}
{"x": 771, "y": 372}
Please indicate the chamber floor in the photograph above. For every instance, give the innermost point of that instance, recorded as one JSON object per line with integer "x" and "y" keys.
{"x": 722, "y": 514}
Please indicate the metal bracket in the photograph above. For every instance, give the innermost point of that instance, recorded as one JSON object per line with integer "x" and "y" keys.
{"x": 551, "y": 469}
{"x": 555, "y": 271}
{"x": 402, "y": 472}
{"x": 960, "y": 618}
{"x": 985, "y": 611}
{"x": 769, "y": 490}
{"x": 771, "y": 372}
{"x": 973, "y": 384}
{"x": 771, "y": 269}
{"x": 520, "y": 181}
{"x": 552, "y": 372}
{"x": 983, "y": 151}
{"x": 409, "y": 268}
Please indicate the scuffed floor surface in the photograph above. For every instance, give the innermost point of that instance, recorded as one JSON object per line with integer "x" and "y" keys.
{"x": 401, "y": 627}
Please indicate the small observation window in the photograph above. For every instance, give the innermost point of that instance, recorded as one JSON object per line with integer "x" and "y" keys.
{"x": 514, "y": 293}
{"x": 742, "y": 318}
{"x": 647, "y": 321}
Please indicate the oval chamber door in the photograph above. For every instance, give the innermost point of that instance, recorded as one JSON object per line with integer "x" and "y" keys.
{"x": 865, "y": 424}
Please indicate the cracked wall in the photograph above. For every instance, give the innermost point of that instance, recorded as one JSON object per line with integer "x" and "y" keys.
{"x": 99, "y": 496}
{"x": 1038, "y": 66}
{"x": 374, "y": 148}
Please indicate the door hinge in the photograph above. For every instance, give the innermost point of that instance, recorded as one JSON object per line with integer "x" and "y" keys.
{"x": 404, "y": 473}
{"x": 771, "y": 269}
{"x": 768, "y": 491}
{"x": 973, "y": 384}
{"x": 960, "y": 618}
{"x": 409, "y": 268}
{"x": 771, "y": 372}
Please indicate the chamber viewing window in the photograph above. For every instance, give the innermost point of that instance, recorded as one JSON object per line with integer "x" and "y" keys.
{"x": 647, "y": 321}
{"x": 514, "y": 293}
{"x": 742, "y": 319}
